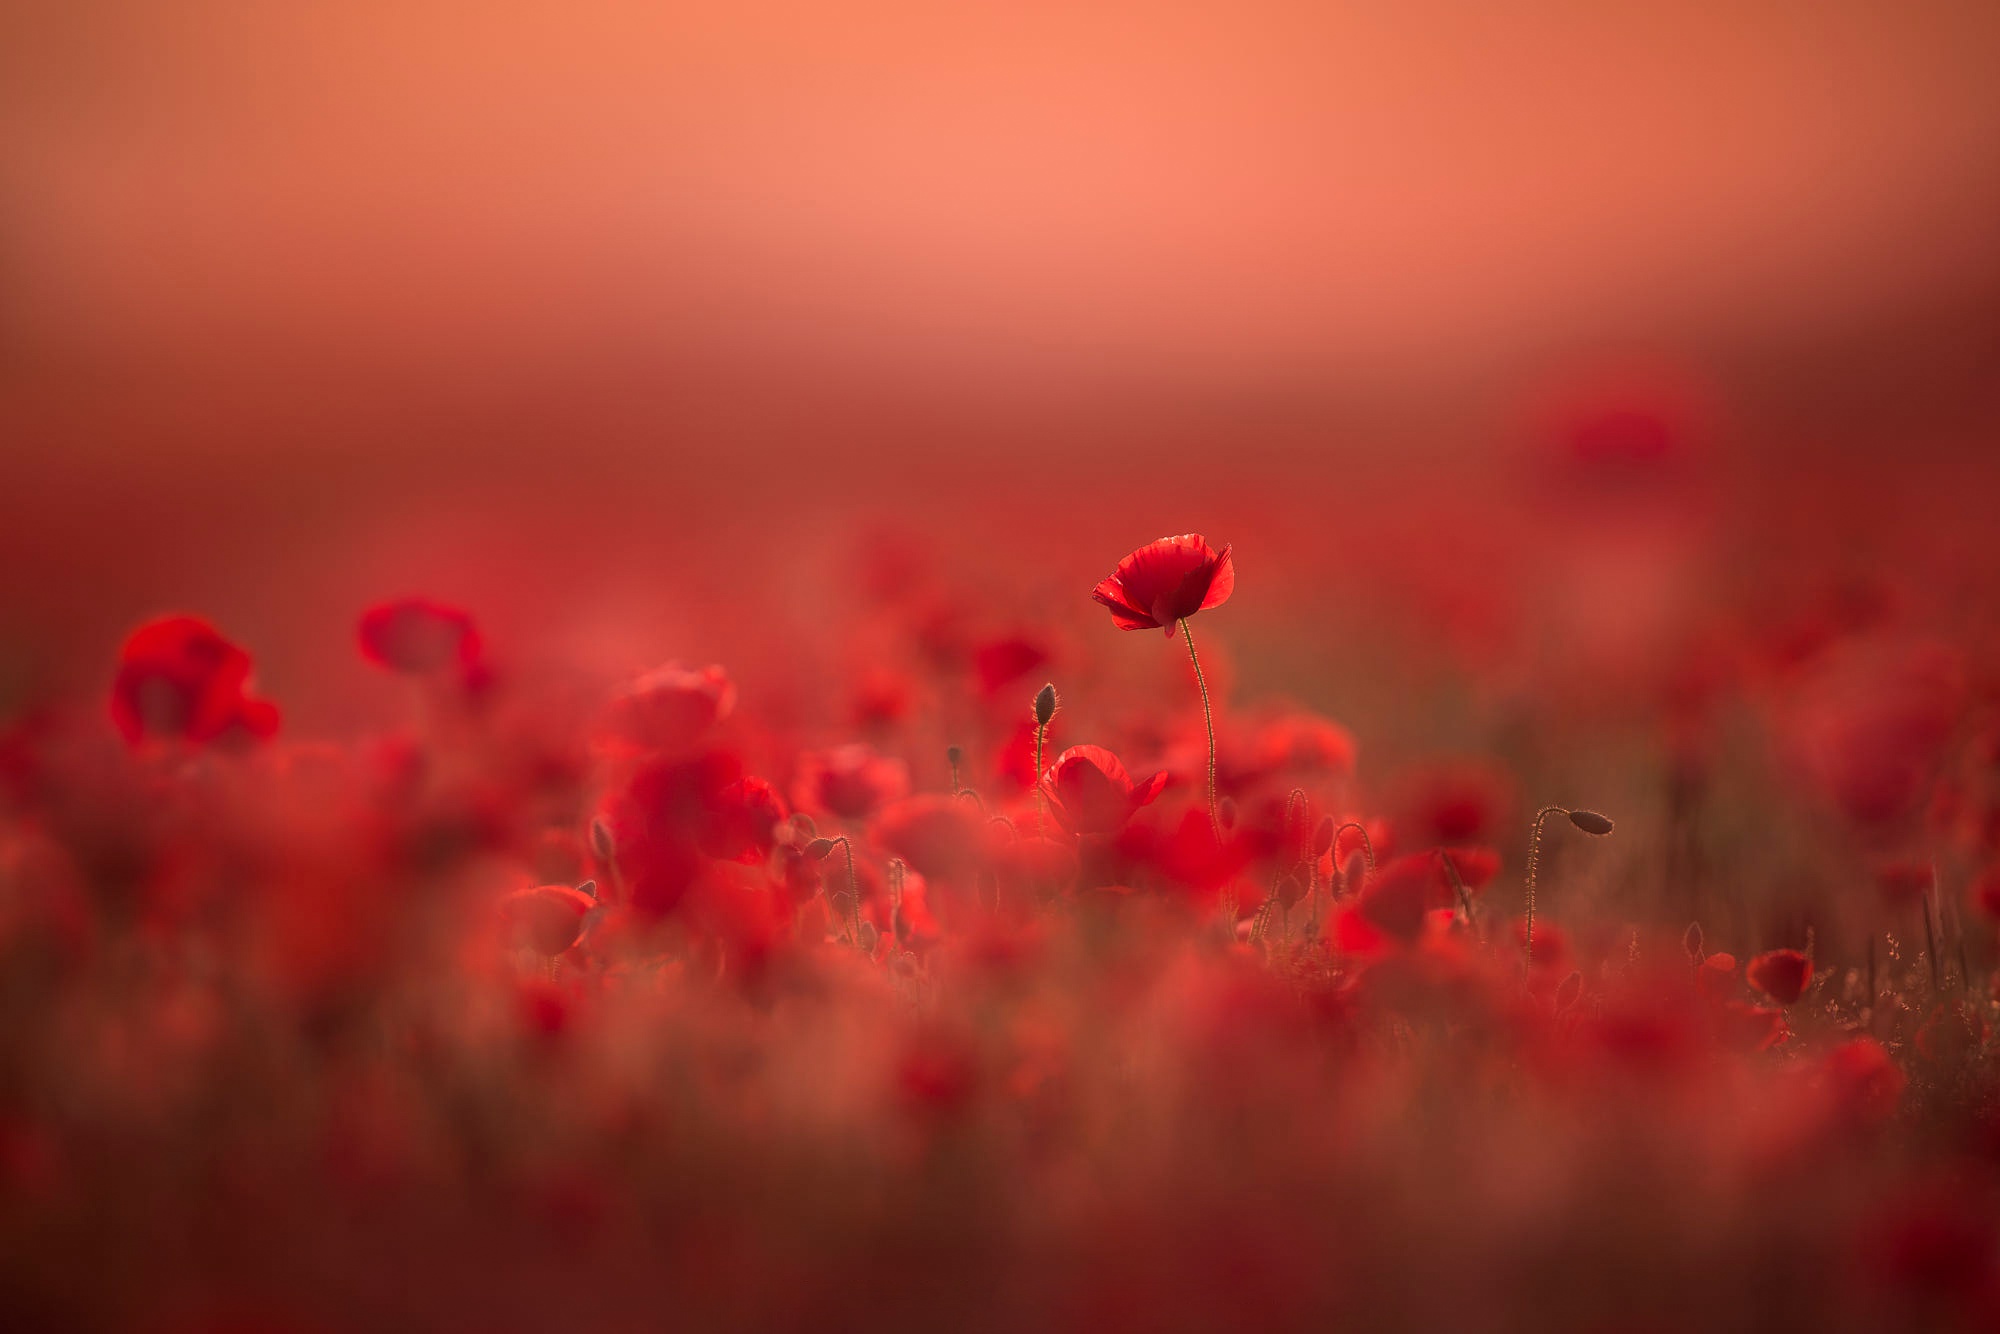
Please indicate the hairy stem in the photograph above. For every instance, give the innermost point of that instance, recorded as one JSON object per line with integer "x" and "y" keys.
{"x": 1534, "y": 860}
{"x": 1208, "y": 719}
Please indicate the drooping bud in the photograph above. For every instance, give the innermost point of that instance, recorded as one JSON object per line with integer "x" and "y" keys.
{"x": 820, "y": 849}
{"x": 1225, "y": 812}
{"x": 1323, "y": 837}
{"x": 1590, "y": 822}
{"x": 1045, "y": 704}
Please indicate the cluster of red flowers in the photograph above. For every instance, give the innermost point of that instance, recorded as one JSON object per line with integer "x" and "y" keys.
{"x": 663, "y": 1012}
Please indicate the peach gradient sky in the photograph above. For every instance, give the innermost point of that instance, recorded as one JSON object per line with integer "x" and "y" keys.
{"x": 319, "y": 205}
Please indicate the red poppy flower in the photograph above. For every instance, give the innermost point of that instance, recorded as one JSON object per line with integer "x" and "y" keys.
{"x": 1780, "y": 974}
{"x": 1164, "y": 581}
{"x": 937, "y": 835}
{"x": 851, "y": 782}
{"x": 418, "y": 636}
{"x": 670, "y": 707}
{"x": 1400, "y": 894}
{"x": 177, "y": 677}
{"x": 1090, "y": 792}
{"x": 547, "y": 919}
{"x": 742, "y": 822}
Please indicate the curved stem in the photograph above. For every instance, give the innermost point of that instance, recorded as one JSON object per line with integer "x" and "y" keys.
{"x": 1208, "y": 718}
{"x": 1534, "y": 860}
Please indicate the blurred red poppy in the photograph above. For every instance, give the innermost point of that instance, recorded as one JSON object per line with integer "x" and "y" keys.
{"x": 179, "y": 678}
{"x": 1090, "y": 792}
{"x": 670, "y": 707}
{"x": 852, "y": 782}
{"x": 1780, "y": 974}
{"x": 418, "y": 636}
{"x": 1165, "y": 581}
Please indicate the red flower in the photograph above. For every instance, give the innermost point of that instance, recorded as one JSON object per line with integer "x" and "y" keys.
{"x": 1780, "y": 974}
{"x": 742, "y": 822}
{"x": 418, "y": 636}
{"x": 1164, "y": 581}
{"x": 848, "y": 781}
{"x": 547, "y": 919}
{"x": 1090, "y": 792}
{"x": 670, "y": 707}
{"x": 939, "y": 836}
{"x": 177, "y": 677}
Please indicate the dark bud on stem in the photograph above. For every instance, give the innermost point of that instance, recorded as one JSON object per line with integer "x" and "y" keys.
{"x": 952, "y": 755}
{"x": 1691, "y": 942}
{"x": 1590, "y": 822}
{"x": 820, "y": 849}
{"x": 1225, "y": 813}
{"x": 1045, "y": 705}
{"x": 1323, "y": 837}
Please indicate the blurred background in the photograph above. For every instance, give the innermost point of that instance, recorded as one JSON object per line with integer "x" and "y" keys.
{"x": 552, "y": 307}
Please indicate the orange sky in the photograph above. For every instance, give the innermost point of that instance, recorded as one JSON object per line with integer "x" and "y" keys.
{"x": 976, "y": 202}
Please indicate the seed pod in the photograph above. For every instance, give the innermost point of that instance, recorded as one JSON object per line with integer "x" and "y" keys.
{"x": 1225, "y": 813}
{"x": 1691, "y": 942}
{"x": 820, "y": 849}
{"x": 1590, "y": 822}
{"x": 1323, "y": 837}
{"x": 1045, "y": 705}
{"x": 1567, "y": 993}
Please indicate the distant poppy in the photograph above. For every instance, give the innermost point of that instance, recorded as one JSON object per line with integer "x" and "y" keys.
{"x": 742, "y": 822}
{"x": 1090, "y": 792}
{"x": 547, "y": 919}
{"x": 178, "y": 678}
{"x": 1165, "y": 581}
{"x": 418, "y": 636}
{"x": 852, "y": 782}
{"x": 670, "y": 707}
{"x": 1780, "y": 974}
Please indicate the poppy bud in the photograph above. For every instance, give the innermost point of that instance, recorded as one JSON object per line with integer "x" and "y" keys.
{"x": 1567, "y": 993}
{"x": 1045, "y": 705}
{"x": 1590, "y": 822}
{"x": 1225, "y": 812}
{"x": 952, "y": 756}
{"x": 601, "y": 841}
{"x": 820, "y": 849}
{"x": 1691, "y": 942}
{"x": 1323, "y": 837}
{"x": 588, "y": 887}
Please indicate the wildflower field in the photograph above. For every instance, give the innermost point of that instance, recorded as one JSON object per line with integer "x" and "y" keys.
{"x": 984, "y": 948}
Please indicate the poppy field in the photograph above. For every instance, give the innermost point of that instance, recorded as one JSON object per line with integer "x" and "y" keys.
{"x": 1038, "y": 959}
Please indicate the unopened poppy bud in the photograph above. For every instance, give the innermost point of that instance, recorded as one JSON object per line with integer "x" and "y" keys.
{"x": 1590, "y": 822}
{"x": 1323, "y": 837}
{"x": 1225, "y": 812}
{"x": 952, "y": 756}
{"x": 1567, "y": 993}
{"x": 1691, "y": 942}
{"x": 600, "y": 839}
{"x": 820, "y": 849}
{"x": 588, "y": 887}
{"x": 1045, "y": 705}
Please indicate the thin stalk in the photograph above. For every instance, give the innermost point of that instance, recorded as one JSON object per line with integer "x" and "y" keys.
{"x": 1208, "y": 719}
{"x": 1534, "y": 860}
